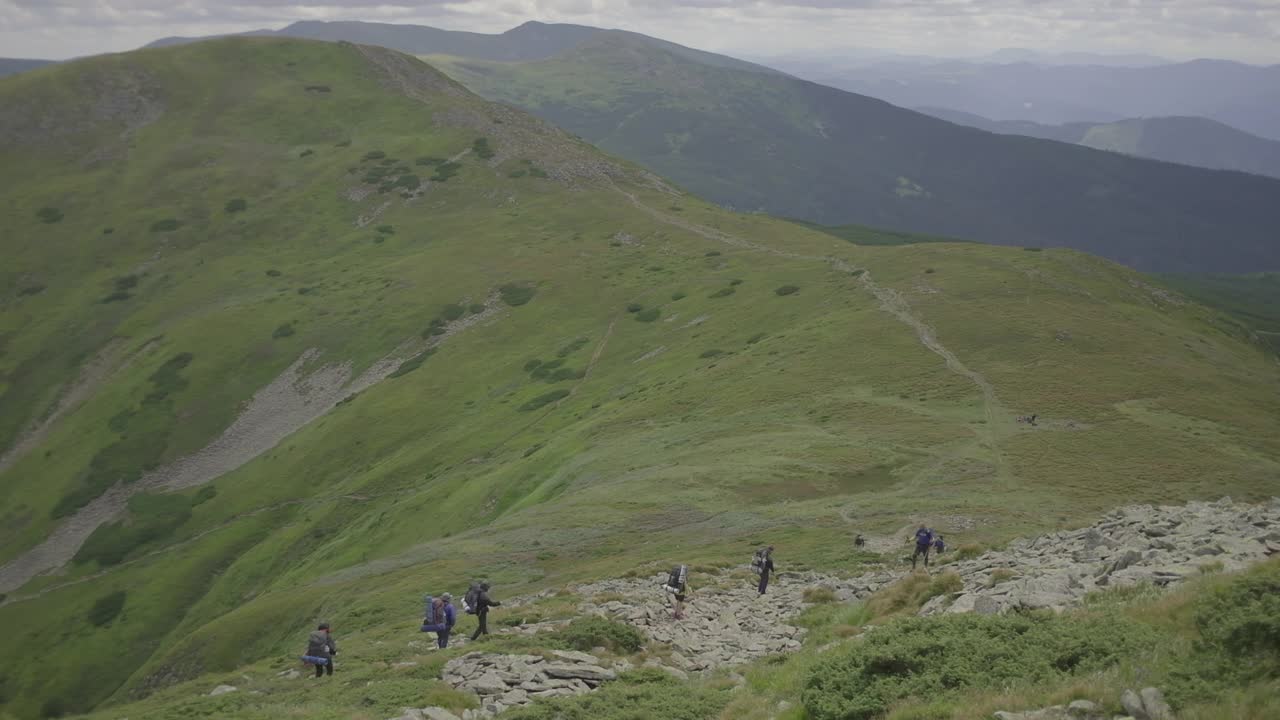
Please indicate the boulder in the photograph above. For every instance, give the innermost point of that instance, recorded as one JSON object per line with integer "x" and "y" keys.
{"x": 1132, "y": 704}
{"x": 488, "y": 684}
{"x": 578, "y": 657}
{"x": 222, "y": 690}
{"x": 580, "y": 672}
{"x": 1154, "y": 704}
{"x": 437, "y": 713}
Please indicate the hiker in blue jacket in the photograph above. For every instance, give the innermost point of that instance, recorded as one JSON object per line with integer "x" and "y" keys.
{"x": 440, "y": 619}
{"x": 924, "y": 542}
{"x": 939, "y": 545}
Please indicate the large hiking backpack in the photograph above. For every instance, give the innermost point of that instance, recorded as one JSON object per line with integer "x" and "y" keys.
{"x": 677, "y": 578}
{"x": 758, "y": 562}
{"x": 471, "y": 599}
{"x": 434, "y": 614}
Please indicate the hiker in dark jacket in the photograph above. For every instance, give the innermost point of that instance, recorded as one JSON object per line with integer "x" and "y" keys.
{"x": 924, "y": 541}
{"x": 939, "y": 545}
{"x": 766, "y": 567}
{"x": 320, "y": 650}
{"x": 483, "y": 603}
{"x": 445, "y": 616}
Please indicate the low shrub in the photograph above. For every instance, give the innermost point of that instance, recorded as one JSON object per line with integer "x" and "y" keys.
{"x": 756, "y": 338}
{"x": 537, "y": 172}
{"x": 166, "y": 225}
{"x": 49, "y": 215}
{"x": 968, "y": 551}
{"x": 429, "y": 161}
{"x": 481, "y": 148}
{"x": 706, "y": 354}
{"x": 735, "y": 282}
{"x": 516, "y": 295}
{"x": 562, "y": 374}
{"x": 283, "y": 331}
{"x": 107, "y": 608}
{"x": 911, "y": 592}
{"x": 648, "y": 315}
{"x": 412, "y": 363}
{"x": 476, "y": 308}
{"x": 678, "y": 296}
{"x": 929, "y": 271}
{"x": 342, "y": 143}
{"x": 517, "y": 173}
{"x": 940, "y": 656}
{"x": 318, "y": 88}
{"x": 274, "y": 273}
{"x": 444, "y": 171}
{"x": 374, "y": 155}
{"x": 452, "y": 312}
{"x": 586, "y": 633}
{"x": 532, "y": 365}
{"x": 544, "y": 399}
{"x": 1001, "y": 575}
{"x": 634, "y": 307}
{"x": 787, "y": 290}
{"x": 31, "y": 290}
{"x": 640, "y": 693}
{"x": 571, "y": 348}
{"x": 1033, "y": 249}
{"x": 712, "y": 253}
{"x": 117, "y": 296}
{"x": 306, "y": 153}
{"x": 236, "y": 205}
{"x": 819, "y": 595}
{"x": 108, "y": 231}
{"x": 408, "y": 181}
{"x": 387, "y": 229}
{"x": 723, "y": 292}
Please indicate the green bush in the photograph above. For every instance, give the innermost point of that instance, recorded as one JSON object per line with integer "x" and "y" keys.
{"x": 429, "y": 161}
{"x": 634, "y": 307}
{"x": 408, "y": 181}
{"x": 677, "y": 296}
{"x": 537, "y": 172}
{"x": 166, "y": 225}
{"x": 283, "y": 331}
{"x": 642, "y": 693}
{"x": 723, "y": 292}
{"x": 476, "y": 308}
{"x": 274, "y": 273}
{"x": 49, "y": 215}
{"x": 787, "y": 290}
{"x": 586, "y": 633}
{"x": 444, "y": 171}
{"x": 374, "y": 155}
{"x": 107, "y": 608}
{"x": 1239, "y": 638}
{"x": 532, "y": 365}
{"x": 756, "y": 338}
{"x": 544, "y": 399}
{"x": 342, "y": 143}
{"x": 938, "y": 656}
{"x": 236, "y": 205}
{"x": 563, "y": 374}
{"x": 519, "y": 173}
{"x": 452, "y": 312}
{"x": 706, "y": 354}
{"x": 412, "y": 363}
{"x": 306, "y": 153}
{"x": 712, "y": 253}
{"x": 117, "y": 296}
{"x": 1033, "y": 249}
{"x": 35, "y": 289}
{"x": 153, "y": 517}
{"x": 387, "y": 229}
{"x": 735, "y": 282}
{"x": 108, "y": 231}
{"x": 481, "y": 147}
{"x": 516, "y": 295}
{"x": 571, "y": 348}
{"x": 648, "y": 315}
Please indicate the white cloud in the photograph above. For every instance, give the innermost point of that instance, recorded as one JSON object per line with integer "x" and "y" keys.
{"x": 1244, "y": 29}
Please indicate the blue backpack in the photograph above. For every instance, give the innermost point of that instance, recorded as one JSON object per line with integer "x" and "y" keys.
{"x": 433, "y": 615}
{"x": 924, "y": 538}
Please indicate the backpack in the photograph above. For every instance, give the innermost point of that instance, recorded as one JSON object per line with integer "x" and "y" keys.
{"x": 758, "y": 562}
{"x": 924, "y": 538}
{"x": 434, "y": 614}
{"x": 677, "y": 577}
{"x": 471, "y": 599}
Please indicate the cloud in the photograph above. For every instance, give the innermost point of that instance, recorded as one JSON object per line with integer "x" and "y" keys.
{"x": 1246, "y": 29}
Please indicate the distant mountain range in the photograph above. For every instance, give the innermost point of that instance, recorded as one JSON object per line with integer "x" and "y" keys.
{"x": 11, "y": 66}
{"x": 757, "y": 140}
{"x": 1246, "y": 97}
{"x": 1187, "y": 140}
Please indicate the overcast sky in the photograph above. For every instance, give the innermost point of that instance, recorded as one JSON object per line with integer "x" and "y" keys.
{"x": 1247, "y": 30}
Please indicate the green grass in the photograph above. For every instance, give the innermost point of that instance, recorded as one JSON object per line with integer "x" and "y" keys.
{"x": 835, "y": 410}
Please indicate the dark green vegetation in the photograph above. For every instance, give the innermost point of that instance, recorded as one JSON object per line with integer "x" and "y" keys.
{"x": 1187, "y": 140}
{"x": 756, "y": 140}
{"x": 825, "y": 412}
{"x": 643, "y": 693}
{"x": 592, "y": 632}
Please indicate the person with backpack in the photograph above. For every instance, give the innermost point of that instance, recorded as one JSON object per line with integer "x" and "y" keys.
{"x": 939, "y": 545}
{"x": 320, "y": 650}
{"x": 924, "y": 541}
{"x": 859, "y": 541}
{"x": 763, "y": 565}
{"x": 440, "y": 618}
{"x": 678, "y": 587}
{"x": 480, "y": 604}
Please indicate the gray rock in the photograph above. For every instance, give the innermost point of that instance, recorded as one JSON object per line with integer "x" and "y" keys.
{"x": 222, "y": 690}
{"x": 1082, "y": 709}
{"x": 488, "y": 684}
{"x": 578, "y": 657}
{"x": 437, "y": 713}
{"x": 1153, "y": 702}
{"x": 1132, "y": 704}
{"x": 581, "y": 672}
{"x": 515, "y": 697}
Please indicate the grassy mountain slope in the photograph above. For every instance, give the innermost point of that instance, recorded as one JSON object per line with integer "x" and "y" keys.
{"x": 188, "y": 223}
{"x": 1252, "y": 299}
{"x": 789, "y": 147}
{"x": 1187, "y": 140}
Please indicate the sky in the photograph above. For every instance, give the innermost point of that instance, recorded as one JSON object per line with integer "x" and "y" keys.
{"x": 1245, "y": 30}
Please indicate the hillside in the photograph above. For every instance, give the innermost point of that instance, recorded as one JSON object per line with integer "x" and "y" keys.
{"x": 295, "y": 330}
{"x": 1245, "y": 97}
{"x": 1187, "y": 140}
{"x": 774, "y": 144}
{"x": 12, "y": 66}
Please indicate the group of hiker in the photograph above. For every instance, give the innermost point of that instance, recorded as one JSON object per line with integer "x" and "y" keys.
{"x": 440, "y": 616}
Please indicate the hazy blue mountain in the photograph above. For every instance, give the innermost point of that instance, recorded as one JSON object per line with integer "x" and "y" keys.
{"x": 12, "y": 66}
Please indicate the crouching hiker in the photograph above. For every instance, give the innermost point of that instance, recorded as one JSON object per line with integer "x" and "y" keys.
{"x": 763, "y": 566}
{"x": 440, "y": 618}
{"x": 478, "y": 603}
{"x": 677, "y": 586}
{"x": 938, "y": 545}
{"x": 320, "y": 650}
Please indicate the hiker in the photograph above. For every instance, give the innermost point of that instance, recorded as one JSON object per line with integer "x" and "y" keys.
{"x": 678, "y": 587}
{"x": 763, "y": 564}
{"x": 480, "y": 605}
{"x": 320, "y": 650}
{"x": 859, "y": 541}
{"x": 924, "y": 541}
{"x": 440, "y": 618}
{"x": 939, "y": 545}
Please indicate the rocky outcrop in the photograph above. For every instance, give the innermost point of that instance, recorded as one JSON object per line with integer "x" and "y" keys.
{"x": 505, "y": 681}
{"x": 1146, "y": 705}
{"x": 1131, "y": 545}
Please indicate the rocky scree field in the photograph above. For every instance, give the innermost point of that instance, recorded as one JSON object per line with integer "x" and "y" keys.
{"x": 295, "y": 331}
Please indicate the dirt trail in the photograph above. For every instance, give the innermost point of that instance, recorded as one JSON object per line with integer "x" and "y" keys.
{"x": 92, "y": 373}
{"x": 287, "y": 404}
